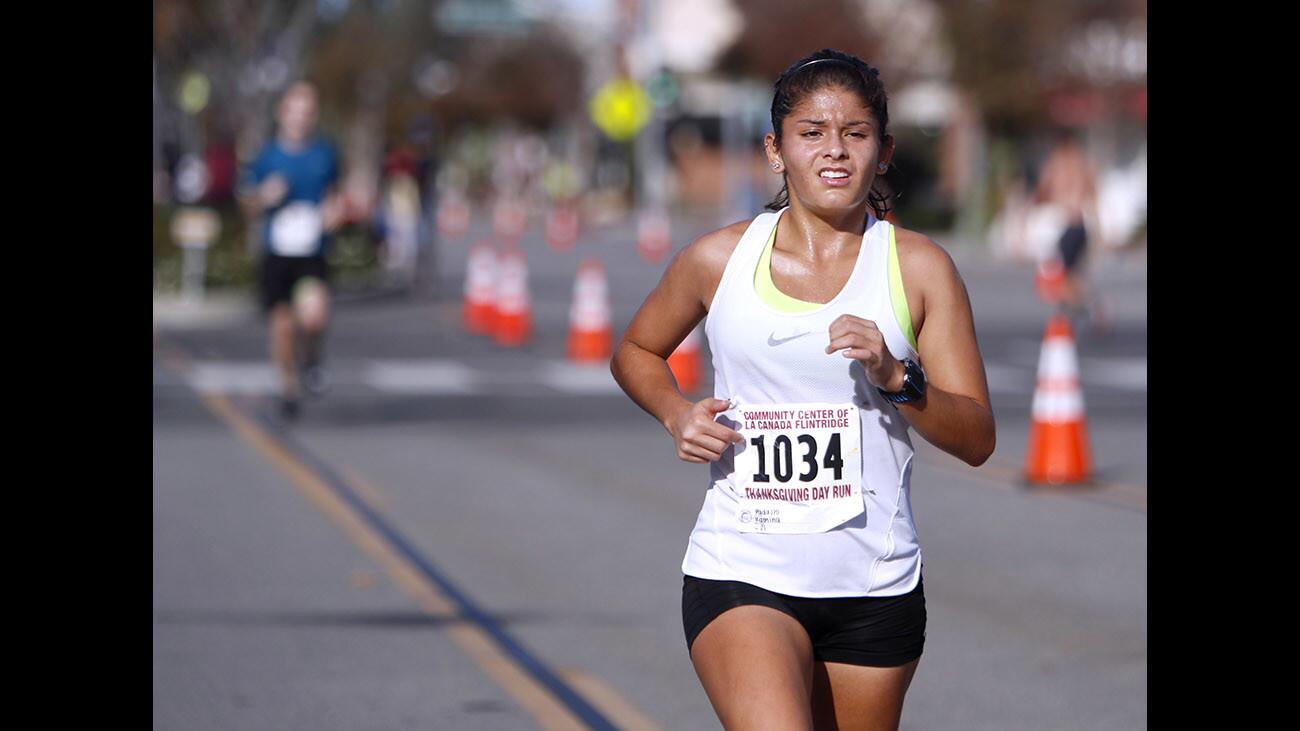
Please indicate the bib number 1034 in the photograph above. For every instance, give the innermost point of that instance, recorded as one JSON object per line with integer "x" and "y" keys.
{"x": 799, "y": 469}
{"x": 781, "y": 457}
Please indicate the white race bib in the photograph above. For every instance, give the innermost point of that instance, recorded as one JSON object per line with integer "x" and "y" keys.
{"x": 296, "y": 229}
{"x": 799, "y": 468}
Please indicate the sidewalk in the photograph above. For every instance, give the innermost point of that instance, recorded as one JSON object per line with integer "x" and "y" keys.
{"x": 217, "y": 309}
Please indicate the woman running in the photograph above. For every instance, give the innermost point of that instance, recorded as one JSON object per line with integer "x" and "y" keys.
{"x": 833, "y": 332}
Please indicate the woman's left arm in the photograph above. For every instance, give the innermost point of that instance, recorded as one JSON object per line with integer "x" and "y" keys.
{"x": 955, "y": 414}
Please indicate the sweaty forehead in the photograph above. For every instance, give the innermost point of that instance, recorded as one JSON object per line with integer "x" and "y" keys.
{"x": 825, "y": 103}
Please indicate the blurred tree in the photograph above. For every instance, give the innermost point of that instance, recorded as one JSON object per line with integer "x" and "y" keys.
{"x": 1008, "y": 53}
{"x": 363, "y": 61}
{"x": 380, "y": 65}
{"x": 535, "y": 80}
{"x": 247, "y": 50}
{"x": 392, "y": 60}
{"x": 1007, "y": 58}
{"x": 777, "y": 33}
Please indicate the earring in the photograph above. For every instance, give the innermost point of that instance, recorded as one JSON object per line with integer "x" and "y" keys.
{"x": 776, "y": 166}
{"x": 884, "y": 166}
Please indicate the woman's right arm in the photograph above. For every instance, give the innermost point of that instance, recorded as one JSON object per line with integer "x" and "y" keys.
{"x": 669, "y": 313}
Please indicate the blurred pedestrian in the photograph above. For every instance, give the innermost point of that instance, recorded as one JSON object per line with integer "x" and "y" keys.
{"x": 1068, "y": 182}
{"x": 803, "y": 603}
{"x": 291, "y": 184}
{"x": 399, "y": 216}
{"x": 221, "y": 162}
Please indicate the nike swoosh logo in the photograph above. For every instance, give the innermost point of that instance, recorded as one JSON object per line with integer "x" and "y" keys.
{"x": 772, "y": 339}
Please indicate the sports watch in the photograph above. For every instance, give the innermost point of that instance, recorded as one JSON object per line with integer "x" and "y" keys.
{"x": 913, "y": 385}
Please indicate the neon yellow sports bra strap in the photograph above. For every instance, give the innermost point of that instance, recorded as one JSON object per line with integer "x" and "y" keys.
{"x": 896, "y": 294}
{"x": 766, "y": 288}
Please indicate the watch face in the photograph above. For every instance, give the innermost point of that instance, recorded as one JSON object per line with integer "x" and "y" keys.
{"x": 913, "y": 380}
{"x": 913, "y": 385}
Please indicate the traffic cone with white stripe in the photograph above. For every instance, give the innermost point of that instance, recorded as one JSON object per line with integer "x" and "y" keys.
{"x": 480, "y": 310}
{"x": 514, "y": 320}
{"x": 653, "y": 235}
{"x": 562, "y": 226}
{"x": 591, "y": 334}
{"x": 1058, "y": 451}
{"x": 685, "y": 362}
{"x": 1049, "y": 280}
{"x": 453, "y": 217}
{"x": 509, "y": 220}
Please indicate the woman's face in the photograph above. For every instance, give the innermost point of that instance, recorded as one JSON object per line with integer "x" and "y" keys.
{"x": 830, "y": 151}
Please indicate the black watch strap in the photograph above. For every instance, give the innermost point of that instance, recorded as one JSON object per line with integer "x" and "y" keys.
{"x": 913, "y": 385}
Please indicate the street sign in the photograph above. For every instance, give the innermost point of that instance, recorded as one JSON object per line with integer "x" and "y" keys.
{"x": 193, "y": 93}
{"x": 620, "y": 109}
{"x": 662, "y": 89}
{"x": 195, "y": 227}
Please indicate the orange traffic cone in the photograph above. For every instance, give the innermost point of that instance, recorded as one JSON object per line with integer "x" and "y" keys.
{"x": 508, "y": 220}
{"x": 653, "y": 236}
{"x": 480, "y": 309}
{"x": 514, "y": 320}
{"x": 685, "y": 362}
{"x": 1049, "y": 280}
{"x": 453, "y": 217}
{"x": 562, "y": 226}
{"x": 1058, "y": 433}
{"x": 591, "y": 334}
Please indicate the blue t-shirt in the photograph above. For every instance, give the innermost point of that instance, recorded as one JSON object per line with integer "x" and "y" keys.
{"x": 309, "y": 173}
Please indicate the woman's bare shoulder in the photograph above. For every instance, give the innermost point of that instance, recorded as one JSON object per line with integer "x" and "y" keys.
{"x": 920, "y": 258}
{"x": 712, "y": 250}
{"x": 699, "y": 266}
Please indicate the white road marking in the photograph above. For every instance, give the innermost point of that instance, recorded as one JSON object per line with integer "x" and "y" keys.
{"x": 1124, "y": 373}
{"x": 420, "y": 376}
{"x": 447, "y": 376}
{"x": 584, "y": 379}
{"x": 233, "y": 377}
{"x": 1008, "y": 379}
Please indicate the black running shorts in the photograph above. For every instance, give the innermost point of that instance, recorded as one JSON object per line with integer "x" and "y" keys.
{"x": 280, "y": 273}
{"x": 878, "y": 631}
{"x": 1073, "y": 242}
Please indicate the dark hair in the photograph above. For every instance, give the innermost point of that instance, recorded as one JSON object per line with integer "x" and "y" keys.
{"x": 828, "y": 68}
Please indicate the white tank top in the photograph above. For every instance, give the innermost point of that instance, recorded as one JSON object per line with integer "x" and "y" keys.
{"x": 763, "y": 356}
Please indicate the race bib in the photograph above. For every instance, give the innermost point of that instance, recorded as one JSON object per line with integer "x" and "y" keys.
{"x": 799, "y": 468}
{"x": 296, "y": 229}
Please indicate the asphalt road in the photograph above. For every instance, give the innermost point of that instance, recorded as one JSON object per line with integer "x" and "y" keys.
{"x": 463, "y": 536}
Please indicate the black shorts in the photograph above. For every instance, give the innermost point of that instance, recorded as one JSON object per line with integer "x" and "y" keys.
{"x": 879, "y": 631}
{"x": 1073, "y": 242}
{"x": 280, "y": 273}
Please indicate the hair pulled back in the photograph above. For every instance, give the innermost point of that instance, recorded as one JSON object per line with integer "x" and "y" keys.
{"x": 830, "y": 69}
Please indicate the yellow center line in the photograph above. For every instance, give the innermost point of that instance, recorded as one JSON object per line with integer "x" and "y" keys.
{"x": 607, "y": 700}
{"x": 599, "y": 694}
{"x": 368, "y": 491}
{"x": 548, "y": 711}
